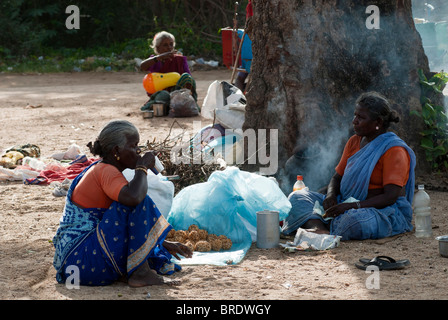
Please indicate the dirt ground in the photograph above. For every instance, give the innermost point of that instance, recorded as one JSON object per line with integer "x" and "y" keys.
{"x": 72, "y": 109}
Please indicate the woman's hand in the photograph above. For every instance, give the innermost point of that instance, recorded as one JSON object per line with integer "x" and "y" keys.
{"x": 148, "y": 160}
{"x": 176, "y": 248}
{"x": 166, "y": 56}
{"x": 337, "y": 210}
{"x": 329, "y": 201}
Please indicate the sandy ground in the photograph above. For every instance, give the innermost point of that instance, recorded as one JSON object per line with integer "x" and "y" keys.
{"x": 73, "y": 109}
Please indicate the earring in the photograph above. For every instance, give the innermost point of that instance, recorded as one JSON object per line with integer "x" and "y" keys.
{"x": 377, "y": 128}
{"x": 117, "y": 157}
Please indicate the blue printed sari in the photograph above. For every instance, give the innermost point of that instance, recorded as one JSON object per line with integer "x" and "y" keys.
{"x": 364, "y": 223}
{"x": 106, "y": 244}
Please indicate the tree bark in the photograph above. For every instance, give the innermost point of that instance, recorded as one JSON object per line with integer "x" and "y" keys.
{"x": 312, "y": 59}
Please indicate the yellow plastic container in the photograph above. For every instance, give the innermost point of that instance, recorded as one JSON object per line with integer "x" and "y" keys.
{"x": 155, "y": 81}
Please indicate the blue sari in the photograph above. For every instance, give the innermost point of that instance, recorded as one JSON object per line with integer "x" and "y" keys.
{"x": 106, "y": 244}
{"x": 364, "y": 223}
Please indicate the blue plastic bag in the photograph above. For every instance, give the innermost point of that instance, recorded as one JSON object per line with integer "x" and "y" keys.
{"x": 219, "y": 205}
{"x": 258, "y": 192}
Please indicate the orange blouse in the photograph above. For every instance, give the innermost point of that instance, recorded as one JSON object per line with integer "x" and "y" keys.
{"x": 99, "y": 187}
{"x": 391, "y": 168}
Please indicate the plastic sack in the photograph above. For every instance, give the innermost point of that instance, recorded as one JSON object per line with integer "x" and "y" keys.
{"x": 159, "y": 190}
{"x": 211, "y": 206}
{"x": 18, "y": 174}
{"x": 72, "y": 152}
{"x": 182, "y": 104}
{"x": 258, "y": 192}
{"x": 230, "y": 118}
{"x": 222, "y": 96}
{"x": 213, "y": 100}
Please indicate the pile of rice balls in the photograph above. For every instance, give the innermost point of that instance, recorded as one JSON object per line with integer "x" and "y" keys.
{"x": 199, "y": 239}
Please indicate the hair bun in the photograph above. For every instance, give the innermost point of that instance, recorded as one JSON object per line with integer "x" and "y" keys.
{"x": 95, "y": 148}
{"x": 394, "y": 116}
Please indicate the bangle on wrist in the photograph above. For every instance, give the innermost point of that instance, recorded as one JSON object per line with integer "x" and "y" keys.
{"x": 142, "y": 169}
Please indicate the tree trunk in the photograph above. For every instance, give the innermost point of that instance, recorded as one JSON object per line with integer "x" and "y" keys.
{"x": 312, "y": 59}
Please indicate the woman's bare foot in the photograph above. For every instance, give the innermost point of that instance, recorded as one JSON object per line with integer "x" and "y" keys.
{"x": 145, "y": 276}
{"x": 316, "y": 226}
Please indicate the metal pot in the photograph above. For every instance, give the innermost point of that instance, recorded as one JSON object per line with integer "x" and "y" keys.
{"x": 158, "y": 109}
{"x": 443, "y": 245}
{"x": 147, "y": 114}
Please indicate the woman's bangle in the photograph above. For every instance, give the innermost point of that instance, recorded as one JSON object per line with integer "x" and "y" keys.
{"x": 142, "y": 169}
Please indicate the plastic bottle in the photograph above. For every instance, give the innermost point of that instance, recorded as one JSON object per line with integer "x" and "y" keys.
{"x": 422, "y": 213}
{"x": 299, "y": 185}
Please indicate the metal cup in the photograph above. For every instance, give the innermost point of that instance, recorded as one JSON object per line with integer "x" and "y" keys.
{"x": 268, "y": 229}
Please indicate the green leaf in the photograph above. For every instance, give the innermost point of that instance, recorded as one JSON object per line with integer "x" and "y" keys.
{"x": 427, "y": 143}
{"x": 421, "y": 75}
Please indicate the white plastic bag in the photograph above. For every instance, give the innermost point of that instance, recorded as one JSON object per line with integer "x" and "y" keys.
{"x": 313, "y": 241}
{"x": 230, "y": 118}
{"x": 72, "y": 152}
{"x": 159, "y": 190}
{"x": 213, "y": 100}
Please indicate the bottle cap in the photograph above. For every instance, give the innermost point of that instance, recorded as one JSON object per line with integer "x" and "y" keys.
{"x": 299, "y": 177}
{"x": 421, "y": 187}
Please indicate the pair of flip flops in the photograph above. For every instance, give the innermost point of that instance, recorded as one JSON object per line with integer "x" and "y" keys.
{"x": 383, "y": 263}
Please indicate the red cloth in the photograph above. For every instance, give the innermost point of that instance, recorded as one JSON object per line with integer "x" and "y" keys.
{"x": 249, "y": 10}
{"x": 59, "y": 174}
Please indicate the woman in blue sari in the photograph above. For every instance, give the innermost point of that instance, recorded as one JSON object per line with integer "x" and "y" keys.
{"x": 370, "y": 195}
{"x": 110, "y": 228}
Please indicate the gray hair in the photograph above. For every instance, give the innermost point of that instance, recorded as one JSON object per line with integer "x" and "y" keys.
{"x": 113, "y": 134}
{"x": 159, "y": 37}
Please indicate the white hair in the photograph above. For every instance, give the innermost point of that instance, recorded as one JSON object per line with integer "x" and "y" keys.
{"x": 159, "y": 37}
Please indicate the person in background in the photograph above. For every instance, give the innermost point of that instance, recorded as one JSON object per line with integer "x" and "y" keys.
{"x": 167, "y": 59}
{"x": 370, "y": 195}
{"x": 110, "y": 228}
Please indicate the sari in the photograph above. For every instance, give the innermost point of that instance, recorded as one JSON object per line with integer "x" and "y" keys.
{"x": 363, "y": 223}
{"x": 178, "y": 64}
{"x": 108, "y": 243}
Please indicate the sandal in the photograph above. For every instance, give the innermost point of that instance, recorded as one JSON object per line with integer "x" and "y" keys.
{"x": 383, "y": 263}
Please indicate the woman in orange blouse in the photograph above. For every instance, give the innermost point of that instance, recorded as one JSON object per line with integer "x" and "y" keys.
{"x": 370, "y": 195}
{"x": 111, "y": 229}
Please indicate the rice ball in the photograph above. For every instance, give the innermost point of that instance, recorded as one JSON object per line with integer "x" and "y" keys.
{"x": 226, "y": 243}
{"x": 211, "y": 237}
{"x": 180, "y": 236}
{"x": 202, "y": 234}
{"x": 190, "y": 245}
{"x": 171, "y": 233}
{"x": 216, "y": 244}
{"x": 193, "y": 227}
{"x": 202, "y": 246}
{"x": 193, "y": 236}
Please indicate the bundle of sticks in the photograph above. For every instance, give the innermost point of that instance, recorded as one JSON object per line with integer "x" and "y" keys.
{"x": 188, "y": 167}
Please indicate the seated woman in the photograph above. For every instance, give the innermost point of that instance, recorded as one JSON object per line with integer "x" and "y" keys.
{"x": 376, "y": 169}
{"x": 110, "y": 228}
{"x": 168, "y": 60}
